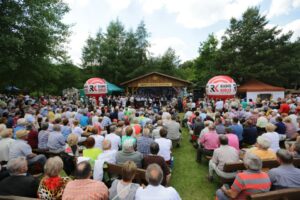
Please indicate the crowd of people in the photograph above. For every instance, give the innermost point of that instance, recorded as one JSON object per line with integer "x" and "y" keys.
{"x": 84, "y": 137}
{"x": 55, "y": 148}
{"x": 236, "y": 130}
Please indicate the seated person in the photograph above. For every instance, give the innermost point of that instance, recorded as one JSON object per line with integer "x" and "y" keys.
{"x": 243, "y": 183}
{"x": 5, "y": 143}
{"x": 165, "y": 145}
{"x": 208, "y": 143}
{"x": 154, "y": 158}
{"x": 128, "y": 136}
{"x": 286, "y": 175}
{"x": 262, "y": 149}
{"x": 83, "y": 187}
{"x": 52, "y": 184}
{"x": 128, "y": 153}
{"x": 222, "y": 155}
{"x": 144, "y": 142}
{"x": 56, "y": 141}
{"x": 43, "y": 136}
{"x": 91, "y": 151}
{"x": 19, "y": 183}
{"x": 154, "y": 190}
{"x": 124, "y": 189}
{"x": 249, "y": 132}
{"x": 21, "y": 148}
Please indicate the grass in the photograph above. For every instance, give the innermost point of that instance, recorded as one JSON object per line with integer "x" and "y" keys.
{"x": 189, "y": 177}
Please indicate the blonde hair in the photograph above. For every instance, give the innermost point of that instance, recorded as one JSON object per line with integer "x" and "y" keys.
{"x": 270, "y": 127}
{"x": 287, "y": 120}
{"x": 72, "y": 139}
{"x": 128, "y": 170}
{"x": 53, "y": 166}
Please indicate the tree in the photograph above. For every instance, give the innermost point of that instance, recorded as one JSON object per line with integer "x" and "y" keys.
{"x": 31, "y": 37}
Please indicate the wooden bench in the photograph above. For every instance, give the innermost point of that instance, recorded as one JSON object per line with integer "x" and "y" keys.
{"x": 15, "y": 198}
{"x": 116, "y": 170}
{"x": 238, "y": 166}
{"x": 47, "y": 153}
{"x": 284, "y": 194}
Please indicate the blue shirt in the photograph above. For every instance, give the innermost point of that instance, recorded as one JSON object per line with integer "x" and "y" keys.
{"x": 143, "y": 145}
{"x": 84, "y": 121}
{"x": 19, "y": 148}
{"x": 43, "y": 139}
{"x": 285, "y": 176}
{"x": 66, "y": 131}
{"x": 56, "y": 141}
{"x": 238, "y": 130}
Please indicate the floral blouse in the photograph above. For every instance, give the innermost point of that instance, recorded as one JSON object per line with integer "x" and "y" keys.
{"x": 51, "y": 188}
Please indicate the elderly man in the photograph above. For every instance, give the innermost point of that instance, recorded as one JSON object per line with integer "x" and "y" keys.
{"x": 173, "y": 129}
{"x": 108, "y": 155}
{"x": 208, "y": 143}
{"x": 165, "y": 145}
{"x": 144, "y": 141}
{"x": 128, "y": 153}
{"x": 222, "y": 155}
{"x": 21, "y": 148}
{"x": 286, "y": 175}
{"x": 113, "y": 138}
{"x": 5, "y": 144}
{"x": 83, "y": 187}
{"x": 56, "y": 141}
{"x": 155, "y": 191}
{"x": 18, "y": 183}
{"x": 243, "y": 183}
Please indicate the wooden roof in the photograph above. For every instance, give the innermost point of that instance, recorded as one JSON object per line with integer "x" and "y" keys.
{"x": 255, "y": 86}
{"x": 156, "y": 79}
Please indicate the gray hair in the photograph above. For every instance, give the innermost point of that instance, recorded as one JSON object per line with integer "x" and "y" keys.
{"x": 146, "y": 132}
{"x": 263, "y": 142}
{"x": 56, "y": 127}
{"x": 154, "y": 179}
{"x": 112, "y": 129}
{"x": 128, "y": 145}
{"x": 253, "y": 162}
{"x": 53, "y": 166}
{"x": 106, "y": 144}
{"x": 15, "y": 165}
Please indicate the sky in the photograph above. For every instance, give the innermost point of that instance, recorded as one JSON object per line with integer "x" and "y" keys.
{"x": 179, "y": 24}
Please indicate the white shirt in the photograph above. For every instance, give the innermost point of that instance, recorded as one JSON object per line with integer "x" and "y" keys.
{"x": 274, "y": 138}
{"x": 78, "y": 131}
{"x": 115, "y": 141}
{"x": 219, "y": 105}
{"x": 165, "y": 146}
{"x": 5, "y": 145}
{"x": 107, "y": 156}
{"x": 95, "y": 120}
{"x": 156, "y": 193}
{"x": 98, "y": 140}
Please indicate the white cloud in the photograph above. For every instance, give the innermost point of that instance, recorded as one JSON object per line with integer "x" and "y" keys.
{"x": 282, "y": 7}
{"x": 80, "y": 3}
{"x": 118, "y": 5}
{"x": 293, "y": 26}
{"x": 199, "y": 13}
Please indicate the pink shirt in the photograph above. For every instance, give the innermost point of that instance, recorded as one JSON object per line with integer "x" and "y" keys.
{"x": 233, "y": 141}
{"x": 210, "y": 140}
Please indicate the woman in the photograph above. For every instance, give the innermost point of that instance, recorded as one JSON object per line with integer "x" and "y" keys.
{"x": 72, "y": 148}
{"x": 128, "y": 136}
{"x": 124, "y": 189}
{"x": 98, "y": 137}
{"x": 262, "y": 150}
{"x": 91, "y": 152}
{"x": 52, "y": 185}
{"x": 291, "y": 130}
{"x": 272, "y": 136}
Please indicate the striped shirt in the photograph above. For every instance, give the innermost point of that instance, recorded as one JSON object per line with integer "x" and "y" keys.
{"x": 251, "y": 182}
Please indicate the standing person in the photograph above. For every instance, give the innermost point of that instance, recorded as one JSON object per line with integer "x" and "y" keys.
{"x": 83, "y": 187}
{"x": 155, "y": 190}
{"x": 124, "y": 189}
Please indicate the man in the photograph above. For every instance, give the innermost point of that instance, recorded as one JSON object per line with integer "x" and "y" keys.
{"x": 143, "y": 142}
{"x": 154, "y": 158}
{"x": 83, "y": 187}
{"x": 243, "y": 184}
{"x": 128, "y": 153}
{"x": 18, "y": 183}
{"x": 208, "y": 143}
{"x": 5, "y": 144}
{"x": 155, "y": 191}
{"x": 108, "y": 155}
{"x": 173, "y": 129}
{"x": 114, "y": 139}
{"x": 222, "y": 155}
{"x": 155, "y": 132}
{"x": 21, "y": 148}
{"x": 286, "y": 175}
{"x": 165, "y": 145}
{"x": 220, "y": 128}
{"x": 237, "y": 129}
{"x": 56, "y": 141}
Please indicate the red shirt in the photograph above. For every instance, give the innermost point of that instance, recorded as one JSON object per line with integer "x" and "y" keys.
{"x": 33, "y": 139}
{"x": 284, "y": 108}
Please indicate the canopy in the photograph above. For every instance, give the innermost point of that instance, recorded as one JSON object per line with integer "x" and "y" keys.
{"x": 113, "y": 88}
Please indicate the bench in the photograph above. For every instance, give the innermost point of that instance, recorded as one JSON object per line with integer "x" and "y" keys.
{"x": 284, "y": 194}
{"x": 116, "y": 170}
{"x": 238, "y": 166}
{"x": 47, "y": 153}
{"x": 15, "y": 198}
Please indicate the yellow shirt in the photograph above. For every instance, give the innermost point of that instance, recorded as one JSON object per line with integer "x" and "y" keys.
{"x": 92, "y": 153}
{"x": 263, "y": 154}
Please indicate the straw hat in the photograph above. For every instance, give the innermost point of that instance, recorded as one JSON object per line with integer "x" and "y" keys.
{"x": 21, "y": 133}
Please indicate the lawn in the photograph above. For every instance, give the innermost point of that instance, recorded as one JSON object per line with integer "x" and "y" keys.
{"x": 189, "y": 177}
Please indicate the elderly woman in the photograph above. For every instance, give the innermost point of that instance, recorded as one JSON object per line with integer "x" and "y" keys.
{"x": 242, "y": 186}
{"x": 124, "y": 189}
{"x": 272, "y": 136}
{"x": 72, "y": 148}
{"x": 52, "y": 185}
{"x": 262, "y": 150}
{"x": 291, "y": 129}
